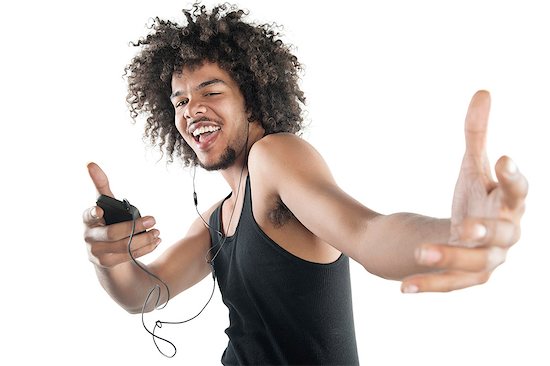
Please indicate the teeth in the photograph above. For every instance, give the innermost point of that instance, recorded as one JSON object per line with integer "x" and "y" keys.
{"x": 204, "y": 129}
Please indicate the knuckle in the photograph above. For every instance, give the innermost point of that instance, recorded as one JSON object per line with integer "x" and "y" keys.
{"x": 517, "y": 234}
{"x": 502, "y": 233}
{"x": 95, "y": 252}
{"x": 88, "y": 238}
{"x": 473, "y": 233}
{"x": 103, "y": 262}
{"x": 510, "y": 234}
{"x": 483, "y": 277}
{"x": 92, "y": 234}
{"x": 93, "y": 260}
{"x": 110, "y": 233}
{"x": 495, "y": 257}
{"x": 145, "y": 249}
{"x": 141, "y": 251}
{"x": 106, "y": 261}
{"x": 153, "y": 235}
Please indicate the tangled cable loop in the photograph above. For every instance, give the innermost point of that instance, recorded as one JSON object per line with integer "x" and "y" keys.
{"x": 158, "y": 306}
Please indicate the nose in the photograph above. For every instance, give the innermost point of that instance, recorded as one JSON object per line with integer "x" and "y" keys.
{"x": 194, "y": 110}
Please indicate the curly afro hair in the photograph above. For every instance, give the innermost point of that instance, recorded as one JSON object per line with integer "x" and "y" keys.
{"x": 253, "y": 55}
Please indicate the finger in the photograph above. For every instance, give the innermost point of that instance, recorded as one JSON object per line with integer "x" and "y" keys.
{"x": 100, "y": 248}
{"x": 113, "y": 259}
{"x": 514, "y": 184}
{"x": 443, "y": 281}
{"x": 485, "y": 232}
{"x": 460, "y": 258}
{"x": 121, "y": 230}
{"x": 92, "y": 216}
{"x": 100, "y": 179}
{"x": 475, "y": 127}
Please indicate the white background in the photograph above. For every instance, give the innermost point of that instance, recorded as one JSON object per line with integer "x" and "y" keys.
{"x": 388, "y": 83}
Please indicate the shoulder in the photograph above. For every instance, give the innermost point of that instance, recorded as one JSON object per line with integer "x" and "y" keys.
{"x": 283, "y": 161}
{"x": 281, "y": 148}
{"x": 277, "y": 140}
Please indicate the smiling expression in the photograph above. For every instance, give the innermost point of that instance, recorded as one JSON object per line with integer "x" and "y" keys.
{"x": 210, "y": 114}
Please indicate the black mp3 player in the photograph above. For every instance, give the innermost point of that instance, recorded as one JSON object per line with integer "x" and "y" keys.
{"x": 117, "y": 211}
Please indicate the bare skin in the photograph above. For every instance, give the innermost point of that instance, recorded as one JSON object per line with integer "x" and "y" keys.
{"x": 426, "y": 254}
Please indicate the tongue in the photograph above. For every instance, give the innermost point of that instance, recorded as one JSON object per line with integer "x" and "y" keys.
{"x": 204, "y": 135}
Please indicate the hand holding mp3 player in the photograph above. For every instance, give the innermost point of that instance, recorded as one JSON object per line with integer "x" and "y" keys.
{"x": 109, "y": 245}
{"x": 117, "y": 211}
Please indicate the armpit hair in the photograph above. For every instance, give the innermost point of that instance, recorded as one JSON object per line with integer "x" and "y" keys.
{"x": 280, "y": 215}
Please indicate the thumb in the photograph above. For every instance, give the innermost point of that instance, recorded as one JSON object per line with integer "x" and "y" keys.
{"x": 100, "y": 179}
{"x": 477, "y": 119}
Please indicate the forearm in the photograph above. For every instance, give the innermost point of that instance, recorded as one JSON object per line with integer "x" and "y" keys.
{"x": 388, "y": 249}
{"x": 129, "y": 286}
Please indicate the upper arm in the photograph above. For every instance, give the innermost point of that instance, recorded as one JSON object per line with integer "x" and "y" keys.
{"x": 297, "y": 174}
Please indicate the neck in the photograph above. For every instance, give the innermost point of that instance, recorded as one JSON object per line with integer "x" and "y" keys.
{"x": 237, "y": 172}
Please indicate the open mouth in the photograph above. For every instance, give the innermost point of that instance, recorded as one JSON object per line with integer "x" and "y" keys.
{"x": 203, "y": 132}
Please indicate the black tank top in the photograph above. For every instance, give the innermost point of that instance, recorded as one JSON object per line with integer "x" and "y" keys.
{"x": 283, "y": 310}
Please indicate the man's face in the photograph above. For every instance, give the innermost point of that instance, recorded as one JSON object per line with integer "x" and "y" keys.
{"x": 210, "y": 114}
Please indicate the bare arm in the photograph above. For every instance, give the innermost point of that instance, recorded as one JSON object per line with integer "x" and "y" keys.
{"x": 180, "y": 267}
{"x": 383, "y": 244}
{"x": 428, "y": 254}
{"x": 391, "y": 243}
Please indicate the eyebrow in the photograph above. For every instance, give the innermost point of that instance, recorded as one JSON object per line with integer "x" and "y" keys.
{"x": 202, "y": 85}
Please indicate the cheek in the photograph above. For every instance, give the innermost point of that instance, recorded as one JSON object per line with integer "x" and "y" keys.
{"x": 185, "y": 136}
{"x": 181, "y": 124}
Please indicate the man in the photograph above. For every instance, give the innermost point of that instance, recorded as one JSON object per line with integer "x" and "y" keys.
{"x": 224, "y": 94}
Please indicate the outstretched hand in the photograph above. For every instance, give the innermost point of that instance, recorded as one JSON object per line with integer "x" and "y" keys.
{"x": 108, "y": 244}
{"x": 485, "y": 219}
